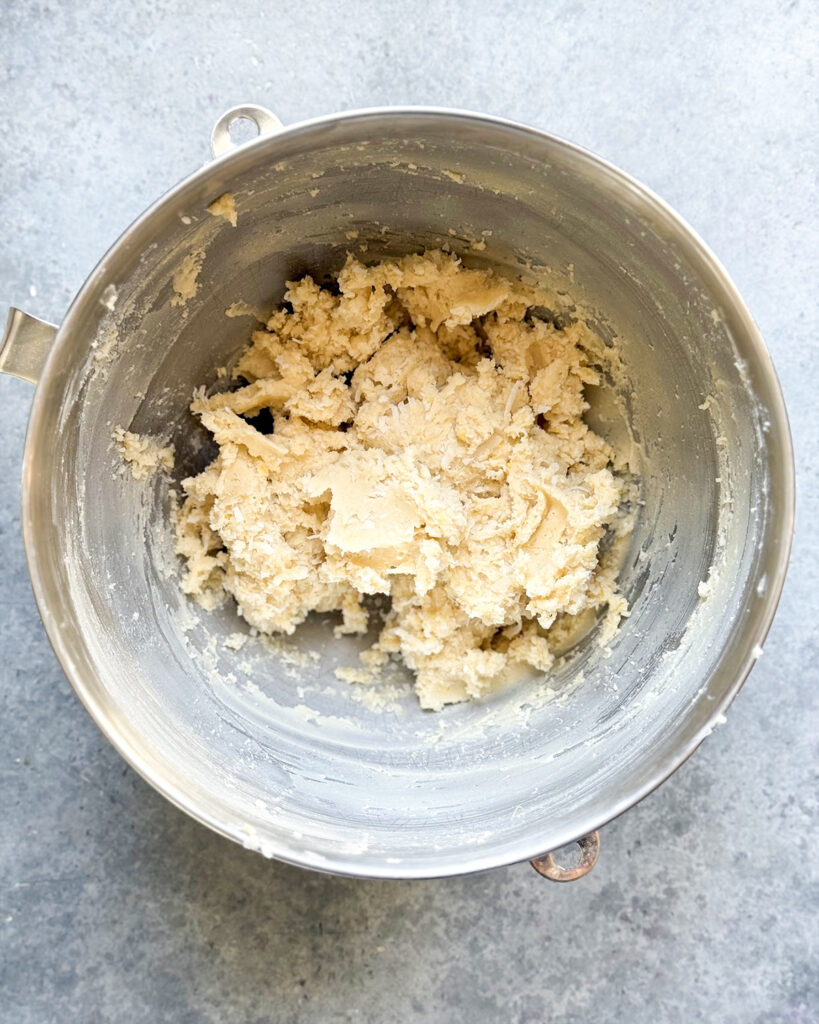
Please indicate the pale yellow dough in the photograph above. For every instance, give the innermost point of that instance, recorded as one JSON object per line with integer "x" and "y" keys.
{"x": 224, "y": 206}
{"x": 428, "y": 444}
{"x": 145, "y": 455}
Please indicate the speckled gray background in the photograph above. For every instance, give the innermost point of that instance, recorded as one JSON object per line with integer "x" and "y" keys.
{"x": 116, "y": 907}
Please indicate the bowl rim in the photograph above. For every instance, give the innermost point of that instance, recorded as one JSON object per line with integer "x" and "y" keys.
{"x": 472, "y": 860}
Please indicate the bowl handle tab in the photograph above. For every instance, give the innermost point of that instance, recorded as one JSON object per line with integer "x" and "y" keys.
{"x": 265, "y": 121}
{"x": 25, "y": 345}
{"x": 547, "y": 865}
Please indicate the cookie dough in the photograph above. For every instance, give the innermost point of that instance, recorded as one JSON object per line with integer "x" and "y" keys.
{"x": 416, "y": 432}
{"x": 145, "y": 455}
{"x": 224, "y": 206}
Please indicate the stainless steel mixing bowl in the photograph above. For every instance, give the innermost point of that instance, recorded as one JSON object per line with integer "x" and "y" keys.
{"x": 273, "y": 751}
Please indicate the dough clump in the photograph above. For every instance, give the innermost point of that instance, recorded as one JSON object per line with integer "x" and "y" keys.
{"x": 145, "y": 455}
{"x": 417, "y": 432}
{"x": 224, "y": 206}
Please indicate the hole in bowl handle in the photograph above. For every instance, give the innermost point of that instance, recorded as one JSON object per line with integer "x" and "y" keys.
{"x": 265, "y": 121}
{"x": 25, "y": 345}
{"x": 547, "y": 866}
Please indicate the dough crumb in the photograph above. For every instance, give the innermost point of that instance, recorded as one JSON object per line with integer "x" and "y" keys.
{"x": 423, "y": 438}
{"x": 185, "y": 283}
{"x": 362, "y": 676}
{"x": 109, "y": 296}
{"x": 242, "y": 308}
{"x": 145, "y": 455}
{"x": 381, "y": 697}
{"x": 288, "y": 653}
{"x": 224, "y": 206}
{"x": 235, "y": 641}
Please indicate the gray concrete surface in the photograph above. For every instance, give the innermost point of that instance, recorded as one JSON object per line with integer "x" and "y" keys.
{"x": 116, "y": 907}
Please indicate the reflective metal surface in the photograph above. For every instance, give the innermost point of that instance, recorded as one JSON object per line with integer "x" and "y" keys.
{"x": 278, "y": 754}
{"x": 264, "y": 120}
{"x": 25, "y": 345}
